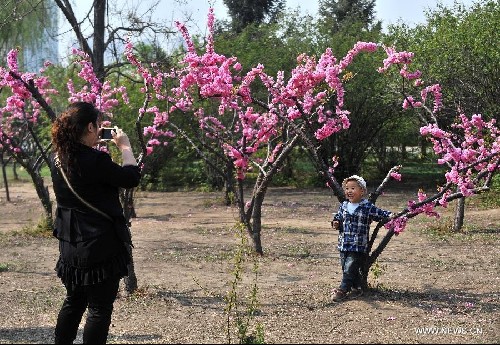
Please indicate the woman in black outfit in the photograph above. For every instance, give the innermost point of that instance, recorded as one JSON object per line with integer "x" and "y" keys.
{"x": 93, "y": 254}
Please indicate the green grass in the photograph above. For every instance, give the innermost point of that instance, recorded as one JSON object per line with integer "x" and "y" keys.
{"x": 423, "y": 169}
{"x": 489, "y": 199}
{"x": 43, "y": 228}
{"x": 423, "y": 172}
{"x": 22, "y": 175}
{"x": 441, "y": 230}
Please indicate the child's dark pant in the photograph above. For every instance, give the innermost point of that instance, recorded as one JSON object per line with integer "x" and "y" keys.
{"x": 351, "y": 263}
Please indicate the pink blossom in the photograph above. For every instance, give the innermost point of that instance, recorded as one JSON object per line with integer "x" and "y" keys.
{"x": 395, "y": 175}
{"x": 397, "y": 224}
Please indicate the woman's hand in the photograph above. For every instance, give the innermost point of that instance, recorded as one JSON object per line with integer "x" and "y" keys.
{"x": 120, "y": 138}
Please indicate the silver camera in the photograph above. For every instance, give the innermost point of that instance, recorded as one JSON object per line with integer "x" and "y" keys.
{"x": 106, "y": 133}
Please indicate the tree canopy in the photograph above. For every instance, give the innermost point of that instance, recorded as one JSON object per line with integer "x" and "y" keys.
{"x": 29, "y": 25}
{"x": 458, "y": 48}
{"x": 246, "y": 12}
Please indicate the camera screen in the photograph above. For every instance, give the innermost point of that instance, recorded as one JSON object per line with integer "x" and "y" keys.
{"x": 106, "y": 134}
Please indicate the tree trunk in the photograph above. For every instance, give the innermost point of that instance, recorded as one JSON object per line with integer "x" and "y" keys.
{"x": 130, "y": 281}
{"x": 287, "y": 170}
{"x": 364, "y": 273}
{"x": 458, "y": 221}
{"x": 372, "y": 257}
{"x": 98, "y": 41}
{"x": 257, "y": 222}
{"x": 43, "y": 193}
{"x": 4, "y": 173}
{"x": 127, "y": 199}
{"x": 129, "y": 212}
{"x": 423, "y": 147}
{"x": 14, "y": 170}
{"x": 252, "y": 218}
{"x": 229, "y": 191}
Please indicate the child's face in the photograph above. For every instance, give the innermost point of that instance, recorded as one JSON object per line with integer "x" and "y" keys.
{"x": 353, "y": 192}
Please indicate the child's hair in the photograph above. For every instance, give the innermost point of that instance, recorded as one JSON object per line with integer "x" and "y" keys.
{"x": 360, "y": 181}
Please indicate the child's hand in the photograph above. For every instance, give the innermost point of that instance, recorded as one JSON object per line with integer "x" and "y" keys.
{"x": 335, "y": 224}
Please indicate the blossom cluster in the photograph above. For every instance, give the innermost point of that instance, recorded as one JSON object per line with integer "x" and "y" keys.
{"x": 102, "y": 95}
{"x": 20, "y": 108}
{"x": 472, "y": 147}
{"x": 302, "y": 98}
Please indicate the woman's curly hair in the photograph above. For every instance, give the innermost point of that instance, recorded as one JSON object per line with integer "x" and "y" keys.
{"x": 68, "y": 129}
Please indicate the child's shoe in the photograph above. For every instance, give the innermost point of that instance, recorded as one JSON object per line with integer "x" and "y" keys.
{"x": 356, "y": 292}
{"x": 338, "y": 295}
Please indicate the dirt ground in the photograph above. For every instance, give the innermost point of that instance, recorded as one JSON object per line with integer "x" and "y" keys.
{"x": 429, "y": 286}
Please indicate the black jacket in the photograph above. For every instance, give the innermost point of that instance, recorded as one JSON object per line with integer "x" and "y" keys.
{"x": 97, "y": 179}
{"x": 91, "y": 246}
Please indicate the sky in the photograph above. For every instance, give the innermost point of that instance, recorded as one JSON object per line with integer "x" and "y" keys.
{"x": 389, "y": 11}
{"x": 410, "y": 12}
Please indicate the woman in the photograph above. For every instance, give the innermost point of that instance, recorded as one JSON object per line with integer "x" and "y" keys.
{"x": 93, "y": 254}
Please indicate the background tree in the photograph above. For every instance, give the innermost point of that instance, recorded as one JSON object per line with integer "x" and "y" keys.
{"x": 337, "y": 14}
{"x": 458, "y": 48}
{"x": 20, "y": 119}
{"x": 107, "y": 36}
{"x": 4, "y": 173}
{"x": 246, "y": 12}
{"x": 31, "y": 26}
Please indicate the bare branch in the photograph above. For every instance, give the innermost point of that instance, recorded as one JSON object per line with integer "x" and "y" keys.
{"x": 373, "y": 196}
{"x": 67, "y": 10}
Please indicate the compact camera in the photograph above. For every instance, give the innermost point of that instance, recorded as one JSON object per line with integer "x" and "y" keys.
{"x": 106, "y": 133}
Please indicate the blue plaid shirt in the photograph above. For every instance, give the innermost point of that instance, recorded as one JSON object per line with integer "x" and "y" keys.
{"x": 354, "y": 230}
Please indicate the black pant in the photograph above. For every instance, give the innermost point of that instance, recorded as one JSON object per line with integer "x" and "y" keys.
{"x": 99, "y": 299}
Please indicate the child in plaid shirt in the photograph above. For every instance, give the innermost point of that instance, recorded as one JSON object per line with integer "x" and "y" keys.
{"x": 353, "y": 222}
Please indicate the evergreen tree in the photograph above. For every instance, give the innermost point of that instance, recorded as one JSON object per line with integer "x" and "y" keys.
{"x": 245, "y": 12}
{"x": 335, "y": 14}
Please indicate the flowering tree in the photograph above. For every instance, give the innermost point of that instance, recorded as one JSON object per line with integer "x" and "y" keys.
{"x": 470, "y": 149}
{"x": 240, "y": 134}
{"x": 29, "y": 94}
{"x": 29, "y": 97}
{"x": 254, "y": 134}
{"x": 251, "y": 133}
{"x": 18, "y": 118}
